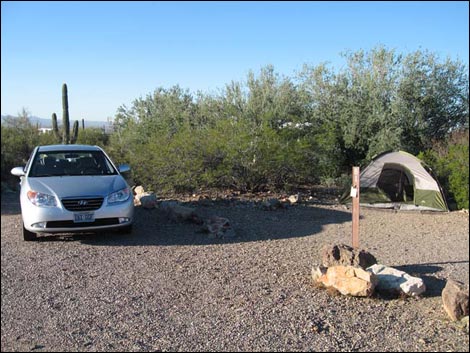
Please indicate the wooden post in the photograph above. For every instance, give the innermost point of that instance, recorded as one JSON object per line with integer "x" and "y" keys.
{"x": 355, "y": 206}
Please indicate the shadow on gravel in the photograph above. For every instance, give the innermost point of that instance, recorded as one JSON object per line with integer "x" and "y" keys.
{"x": 250, "y": 222}
{"x": 10, "y": 203}
{"x": 434, "y": 285}
{"x": 152, "y": 227}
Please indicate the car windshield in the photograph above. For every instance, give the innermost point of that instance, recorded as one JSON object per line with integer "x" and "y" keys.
{"x": 64, "y": 163}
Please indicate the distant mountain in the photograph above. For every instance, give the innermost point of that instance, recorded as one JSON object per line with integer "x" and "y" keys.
{"x": 48, "y": 122}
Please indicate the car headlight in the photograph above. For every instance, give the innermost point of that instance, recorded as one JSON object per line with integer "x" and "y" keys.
{"x": 41, "y": 199}
{"x": 119, "y": 196}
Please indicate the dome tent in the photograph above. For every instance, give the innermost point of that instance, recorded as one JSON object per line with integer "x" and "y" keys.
{"x": 398, "y": 180}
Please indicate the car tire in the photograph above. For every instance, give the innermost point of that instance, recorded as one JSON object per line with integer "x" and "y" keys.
{"x": 27, "y": 235}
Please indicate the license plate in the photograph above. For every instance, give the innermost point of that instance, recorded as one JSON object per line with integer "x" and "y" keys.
{"x": 84, "y": 217}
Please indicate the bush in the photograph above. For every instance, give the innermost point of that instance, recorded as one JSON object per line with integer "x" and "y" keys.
{"x": 449, "y": 161}
{"x": 93, "y": 136}
{"x": 229, "y": 154}
{"x": 18, "y": 139}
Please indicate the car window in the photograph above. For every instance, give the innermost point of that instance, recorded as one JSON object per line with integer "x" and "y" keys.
{"x": 62, "y": 163}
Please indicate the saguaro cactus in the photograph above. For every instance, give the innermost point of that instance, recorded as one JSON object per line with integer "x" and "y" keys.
{"x": 65, "y": 115}
{"x": 74, "y": 132}
{"x": 66, "y": 138}
{"x": 55, "y": 127}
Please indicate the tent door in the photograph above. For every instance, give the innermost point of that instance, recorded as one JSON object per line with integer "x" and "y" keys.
{"x": 395, "y": 182}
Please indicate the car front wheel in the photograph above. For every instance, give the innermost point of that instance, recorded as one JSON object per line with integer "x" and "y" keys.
{"x": 27, "y": 235}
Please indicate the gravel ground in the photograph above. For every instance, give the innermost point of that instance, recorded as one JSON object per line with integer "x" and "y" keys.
{"x": 168, "y": 287}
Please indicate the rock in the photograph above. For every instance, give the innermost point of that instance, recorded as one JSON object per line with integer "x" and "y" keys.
{"x": 393, "y": 281}
{"x": 180, "y": 213}
{"x": 317, "y": 272}
{"x": 167, "y": 204}
{"x": 464, "y": 322}
{"x": 348, "y": 280}
{"x": 455, "y": 299}
{"x": 293, "y": 199}
{"x": 148, "y": 201}
{"x": 150, "y": 198}
{"x": 219, "y": 227}
{"x": 139, "y": 190}
{"x": 341, "y": 254}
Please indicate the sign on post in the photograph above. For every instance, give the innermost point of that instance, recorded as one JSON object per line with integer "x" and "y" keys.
{"x": 355, "y": 206}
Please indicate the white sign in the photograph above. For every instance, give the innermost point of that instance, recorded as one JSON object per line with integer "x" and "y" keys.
{"x": 353, "y": 191}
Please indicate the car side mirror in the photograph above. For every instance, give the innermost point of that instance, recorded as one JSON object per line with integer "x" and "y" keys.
{"x": 123, "y": 168}
{"x": 18, "y": 171}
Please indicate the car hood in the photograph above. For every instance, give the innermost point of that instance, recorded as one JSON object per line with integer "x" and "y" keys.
{"x": 78, "y": 186}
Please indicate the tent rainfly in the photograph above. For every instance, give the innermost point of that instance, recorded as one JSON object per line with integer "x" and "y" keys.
{"x": 398, "y": 180}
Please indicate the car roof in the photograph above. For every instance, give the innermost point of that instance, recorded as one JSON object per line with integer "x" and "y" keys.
{"x": 55, "y": 148}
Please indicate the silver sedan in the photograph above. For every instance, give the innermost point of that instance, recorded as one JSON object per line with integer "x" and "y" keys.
{"x": 73, "y": 188}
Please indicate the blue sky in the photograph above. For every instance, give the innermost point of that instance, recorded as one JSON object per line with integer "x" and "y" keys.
{"x": 111, "y": 53}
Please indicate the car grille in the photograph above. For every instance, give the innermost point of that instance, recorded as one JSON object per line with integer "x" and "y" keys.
{"x": 83, "y": 204}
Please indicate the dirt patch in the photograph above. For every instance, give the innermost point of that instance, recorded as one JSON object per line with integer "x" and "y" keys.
{"x": 169, "y": 287}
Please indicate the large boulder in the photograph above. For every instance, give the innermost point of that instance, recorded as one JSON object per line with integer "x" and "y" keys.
{"x": 344, "y": 255}
{"x": 393, "y": 282}
{"x": 348, "y": 280}
{"x": 455, "y": 299}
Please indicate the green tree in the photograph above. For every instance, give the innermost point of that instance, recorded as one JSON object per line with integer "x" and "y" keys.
{"x": 18, "y": 139}
{"x": 432, "y": 99}
{"x": 383, "y": 101}
{"x": 270, "y": 131}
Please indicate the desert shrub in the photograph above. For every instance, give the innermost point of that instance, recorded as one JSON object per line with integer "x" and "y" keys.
{"x": 18, "y": 139}
{"x": 272, "y": 131}
{"x": 93, "y": 136}
{"x": 449, "y": 161}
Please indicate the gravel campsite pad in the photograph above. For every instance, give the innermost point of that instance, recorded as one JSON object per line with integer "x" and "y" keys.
{"x": 168, "y": 286}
